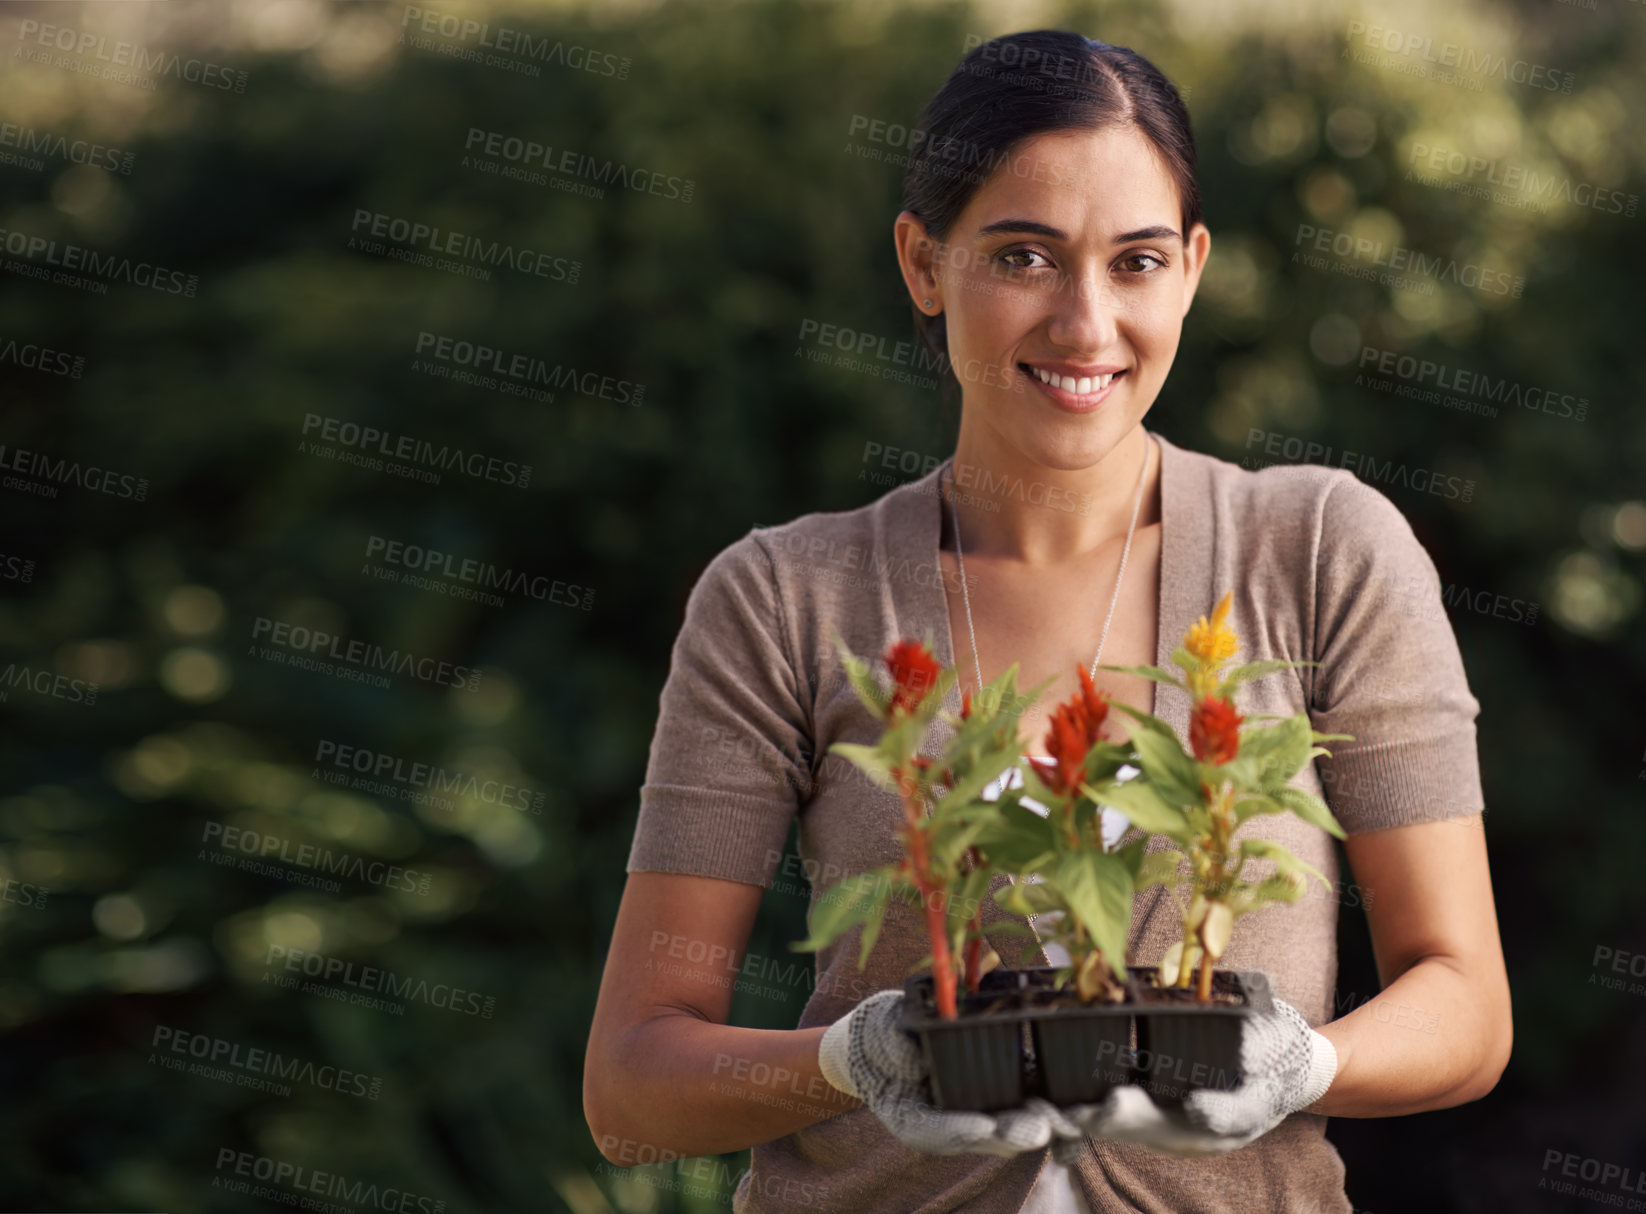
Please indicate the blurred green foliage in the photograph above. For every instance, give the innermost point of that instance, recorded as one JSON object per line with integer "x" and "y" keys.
{"x": 107, "y": 806}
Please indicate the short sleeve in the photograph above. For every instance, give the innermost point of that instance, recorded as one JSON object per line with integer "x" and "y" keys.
{"x": 731, "y": 752}
{"x": 1390, "y": 673}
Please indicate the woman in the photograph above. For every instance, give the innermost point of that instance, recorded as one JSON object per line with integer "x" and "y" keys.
{"x": 1051, "y": 240}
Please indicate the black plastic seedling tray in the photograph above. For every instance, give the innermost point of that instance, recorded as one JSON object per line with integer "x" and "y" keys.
{"x": 1182, "y": 1047}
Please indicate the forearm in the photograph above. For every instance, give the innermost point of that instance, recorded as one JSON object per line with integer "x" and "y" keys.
{"x": 681, "y": 1086}
{"x": 1430, "y": 1040}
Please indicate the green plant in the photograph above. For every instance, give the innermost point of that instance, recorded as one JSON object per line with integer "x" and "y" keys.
{"x": 1088, "y": 886}
{"x": 1199, "y": 798}
{"x": 944, "y": 814}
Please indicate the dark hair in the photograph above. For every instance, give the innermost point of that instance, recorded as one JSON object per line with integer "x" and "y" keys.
{"x": 1020, "y": 85}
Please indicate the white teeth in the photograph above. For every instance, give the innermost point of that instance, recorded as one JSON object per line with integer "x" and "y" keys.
{"x": 1083, "y": 386}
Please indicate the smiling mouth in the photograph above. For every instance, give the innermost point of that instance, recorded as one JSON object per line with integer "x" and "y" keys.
{"x": 1086, "y": 385}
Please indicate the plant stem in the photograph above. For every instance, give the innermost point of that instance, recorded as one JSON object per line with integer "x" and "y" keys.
{"x": 974, "y": 952}
{"x": 937, "y": 925}
{"x": 1205, "y": 991}
{"x": 1184, "y": 969}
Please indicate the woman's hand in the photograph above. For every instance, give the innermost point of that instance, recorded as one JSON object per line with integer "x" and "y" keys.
{"x": 867, "y": 1055}
{"x": 1286, "y": 1066}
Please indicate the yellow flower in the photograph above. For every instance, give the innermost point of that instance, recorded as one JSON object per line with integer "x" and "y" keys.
{"x": 1214, "y": 642}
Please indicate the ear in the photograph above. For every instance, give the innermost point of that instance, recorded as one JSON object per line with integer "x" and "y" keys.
{"x": 917, "y": 258}
{"x": 1196, "y": 249}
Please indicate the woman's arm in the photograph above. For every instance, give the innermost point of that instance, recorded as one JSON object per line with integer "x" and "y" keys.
{"x": 664, "y": 1076}
{"x": 1440, "y": 1032}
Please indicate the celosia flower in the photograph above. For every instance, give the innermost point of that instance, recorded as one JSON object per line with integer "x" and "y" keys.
{"x": 914, "y": 672}
{"x": 1214, "y": 731}
{"x": 1076, "y": 725}
{"x": 1213, "y": 642}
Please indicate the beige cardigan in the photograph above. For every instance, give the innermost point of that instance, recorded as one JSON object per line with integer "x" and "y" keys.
{"x": 1323, "y": 567}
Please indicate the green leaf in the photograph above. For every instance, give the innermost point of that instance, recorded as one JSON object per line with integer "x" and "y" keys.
{"x": 1161, "y": 868}
{"x": 1254, "y": 670}
{"x": 1029, "y": 898}
{"x": 869, "y": 760}
{"x": 862, "y": 679}
{"x": 1256, "y": 806}
{"x": 1170, "y": 772}
{"x": 1139, "y": 801}
{"x": 848, "y": 903}
{"x": 1284, "y": 861}
{"x": 1154, "y": 673}
{"x": 1098, "y": 891}
{"x": 1277, "y": 752}
{"x": 1152, "y": 723}
{"x": 977, "y": 775}
{"x": 1018, "y": 837}
{"x": 1311, "y": 809}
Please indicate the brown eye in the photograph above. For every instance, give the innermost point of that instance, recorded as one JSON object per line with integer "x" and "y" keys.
{"x": 1128, "y": 261}
{"x": 1006, "y": 258}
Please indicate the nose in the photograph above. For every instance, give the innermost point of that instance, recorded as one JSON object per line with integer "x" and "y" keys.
{"x": 1086, "y": 313}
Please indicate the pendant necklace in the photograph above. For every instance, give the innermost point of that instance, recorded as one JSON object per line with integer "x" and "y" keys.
{"x": 966, "y": 597}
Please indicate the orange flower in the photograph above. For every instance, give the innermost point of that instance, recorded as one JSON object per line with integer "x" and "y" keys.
{"x": 1076, "y": 725}
{"x": 1213, "y": 641}
{"x": 914, "y": 671}
{"x": 1214, "y": 731}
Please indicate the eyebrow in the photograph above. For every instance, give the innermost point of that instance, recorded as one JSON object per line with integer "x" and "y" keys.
{"x": 1044, "y": 229}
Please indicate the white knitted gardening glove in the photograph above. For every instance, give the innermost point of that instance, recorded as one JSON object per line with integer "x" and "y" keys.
{"x": 1287, "y": 1066}
{"x": 865, "y": 1054}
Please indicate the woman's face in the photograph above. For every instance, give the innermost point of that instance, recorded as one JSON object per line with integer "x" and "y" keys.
{"x": 1066, "y": 263}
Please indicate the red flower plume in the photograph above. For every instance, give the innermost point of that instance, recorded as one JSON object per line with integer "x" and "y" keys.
{"x": 1076, "y": 725}
{"x": 914, "y": 671}
{"x": 1214, "y": 731}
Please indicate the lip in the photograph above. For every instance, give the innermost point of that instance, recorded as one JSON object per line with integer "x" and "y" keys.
{"x": 1068, "y": 401}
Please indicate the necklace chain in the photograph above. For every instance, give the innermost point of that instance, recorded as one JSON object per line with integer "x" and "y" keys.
{"x": 1120, "y": 573}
